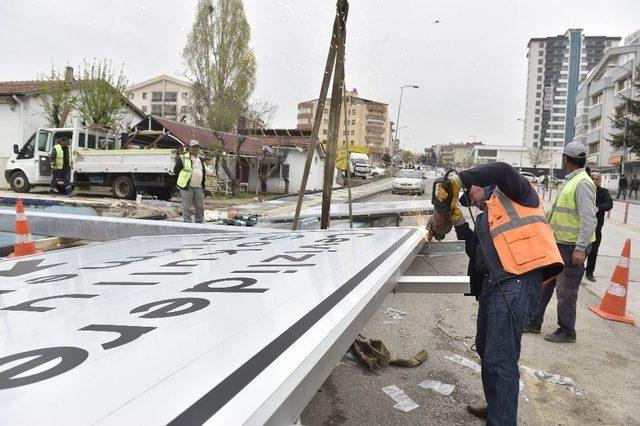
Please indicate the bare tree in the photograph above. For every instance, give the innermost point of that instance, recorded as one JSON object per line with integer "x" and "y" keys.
{"x": 58, "y": 99}
{"x": 537, "y": 156}
{"x": 259, "y": 115}
{"x": 220, "y": 64}
{"x": 101, "y": 101}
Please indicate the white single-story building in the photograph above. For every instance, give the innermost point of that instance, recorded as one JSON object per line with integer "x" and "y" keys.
{"x": 21, "y": 114}
{"x": 511, "y": 154}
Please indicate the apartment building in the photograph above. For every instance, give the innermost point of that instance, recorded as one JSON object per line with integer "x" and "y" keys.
{"x": 455, "y": 154}
{"x": 599, "y": 99}
{"x": 555, "y": 66}
{"x": 162, "y": 96}
{"x": 367, "y": 123}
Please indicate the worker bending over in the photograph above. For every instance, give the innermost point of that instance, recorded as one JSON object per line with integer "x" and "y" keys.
{"x": 512, "y": 252}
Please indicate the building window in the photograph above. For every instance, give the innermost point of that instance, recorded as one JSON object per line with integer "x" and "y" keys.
{"x": 593, "y": 148}
{"x": 537, "y": 103}
{"x": 304, "y": 110}
{"x": 184, "y": 95}
{"x": 353, "y": 121}
{"x": 129, "y": 95}
{"x": 144, "y": 109}
{"x": 537, "y": 110}
{"x": 144, "y": 95}
{"x": 487, "y": 153}
{"x": 170, "y": 96}
{"x": 539, "y": 78}
{"x": 353, "y": 132}
{"x": 183, "y": 109}
{"x": 536, "y": 127}
{"x": 156, "y": 96}
{"x": 539, "y": 69}
{"x": 536, "y": 120}
{"x": 540, "y": 61}
{"x": 595, "y": 100}
{"x": 538, "y": 95}
{"x": 324, "y": 132}
{"x": 156, "y": 110}
{"x": 535, "y": 136}
{"x": 538, "y": 86}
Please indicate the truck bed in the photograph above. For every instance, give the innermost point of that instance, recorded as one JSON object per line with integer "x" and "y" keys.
{"x": 124, "y": 161}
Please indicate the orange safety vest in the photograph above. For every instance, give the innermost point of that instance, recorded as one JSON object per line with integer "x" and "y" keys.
{"x": 522, "y": 237}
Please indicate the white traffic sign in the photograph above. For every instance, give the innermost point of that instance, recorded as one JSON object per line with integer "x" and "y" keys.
{"x": 223, "y": 328}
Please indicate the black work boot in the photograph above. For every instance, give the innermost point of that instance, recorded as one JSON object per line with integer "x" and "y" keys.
{"x": 480, "y": 411}
{"x": 532, "y": 328}
{"x": 590, "y": 277}
{"x": 561, "y": 335}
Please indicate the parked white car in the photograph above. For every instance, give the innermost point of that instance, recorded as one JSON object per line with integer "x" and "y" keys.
{"x": 529, "y": 176}
{"x": 408, "y": 180}
{"x": 377, "y": 171}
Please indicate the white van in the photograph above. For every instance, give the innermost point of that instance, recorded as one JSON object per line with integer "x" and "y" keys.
{"x": 98, "y": 161}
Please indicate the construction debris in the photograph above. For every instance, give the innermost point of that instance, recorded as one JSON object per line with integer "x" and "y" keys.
{"x": 395, "y": 314}
{"x": 445, "y": 389}
{"x": 464, "y": 361}
{"x": 552, "y": 378}
{"x": 374, "y": 354}
{"x": 403, "y": 402}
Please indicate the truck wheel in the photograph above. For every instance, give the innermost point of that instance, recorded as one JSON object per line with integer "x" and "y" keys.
{"x": 123, "y": 188}
{"x": 164, "y": 194}
{"x": 19, "y": 182}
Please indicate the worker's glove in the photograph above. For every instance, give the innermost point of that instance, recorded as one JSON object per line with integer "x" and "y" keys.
{"x": 456, "y": 184}
{"x": 458, "y": 217}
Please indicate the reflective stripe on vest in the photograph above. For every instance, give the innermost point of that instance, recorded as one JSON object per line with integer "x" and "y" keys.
{"x": 185, "y": 174}
{"x": 59, "y": 163}
{"x": 564, "y": 217}
{"x": 522, "y": 237}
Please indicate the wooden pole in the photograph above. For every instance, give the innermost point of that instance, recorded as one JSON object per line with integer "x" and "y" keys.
{"x": 334, "y": 115}
{"x": 348, "y": 154}
{"x": 317, "y": 121}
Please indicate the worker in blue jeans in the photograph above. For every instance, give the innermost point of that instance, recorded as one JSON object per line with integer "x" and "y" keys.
{"x": 511, "y": 252}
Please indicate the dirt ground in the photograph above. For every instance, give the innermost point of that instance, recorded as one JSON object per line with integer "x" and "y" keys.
{"x": 604, "y": 363}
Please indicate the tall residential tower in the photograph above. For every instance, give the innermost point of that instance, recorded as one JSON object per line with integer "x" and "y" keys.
{"x": 556, "y": 65}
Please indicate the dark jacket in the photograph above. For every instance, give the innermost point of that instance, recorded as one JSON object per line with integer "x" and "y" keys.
{"x": 623, "y": 183}
{"x": 604, "y": 203}
{"x": 178, "y": 167}
{"x": 483, "y": 259}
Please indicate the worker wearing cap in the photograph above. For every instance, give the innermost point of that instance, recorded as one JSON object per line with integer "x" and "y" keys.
{"x": 573, "y": 219}
{"x": 190, "y": 170}
{"x": 511, "y": 252}
{"x": 61, "y": 163}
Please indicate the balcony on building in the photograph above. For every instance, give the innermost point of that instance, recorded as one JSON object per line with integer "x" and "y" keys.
{"x": 614, "y": 131}
{"x": 600, "y": 85}
{"x": 581, "y": 119}
{"x": 595, "y": 112}
{"x": 593, "y": 136}
{"x": 581, "y": 138}
{"x": 622, "y": 71}
{"x": 617, "y": 98}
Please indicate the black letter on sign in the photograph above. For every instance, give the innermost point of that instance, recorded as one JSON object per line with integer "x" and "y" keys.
{"x": 50, "y": 278}
{"x": 128, "y": 333}
{"x": 185, "y": 262}
{"x": 168, "y": 308}
{"x": 28, "y": 305}
{"x": 240, "y": 288}
{"x": 70, "y": 358}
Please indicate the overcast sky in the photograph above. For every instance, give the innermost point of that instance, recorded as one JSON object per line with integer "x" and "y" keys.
{"x": 471, "y": 67}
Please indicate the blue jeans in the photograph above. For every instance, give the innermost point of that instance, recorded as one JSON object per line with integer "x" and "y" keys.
{"x": 65, "y": 176}
{"x": 498, "y": 342}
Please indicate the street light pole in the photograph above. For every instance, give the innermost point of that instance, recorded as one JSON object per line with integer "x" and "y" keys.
{"x": 522, "y": 148}
{"x": 399, "y": 108}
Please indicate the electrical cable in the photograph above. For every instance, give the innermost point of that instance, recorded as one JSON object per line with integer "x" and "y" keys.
{"x": 484, "y": 253}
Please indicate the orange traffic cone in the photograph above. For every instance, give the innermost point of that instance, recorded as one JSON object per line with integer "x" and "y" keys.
{"x": 614, "y": 302}
{"x": 24, "y": 243}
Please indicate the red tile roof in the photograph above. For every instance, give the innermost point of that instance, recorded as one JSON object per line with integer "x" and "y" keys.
{"x": 19, "y": 87}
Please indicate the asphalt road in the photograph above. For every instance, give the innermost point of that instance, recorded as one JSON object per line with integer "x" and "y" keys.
{"x": 604, "y": 363}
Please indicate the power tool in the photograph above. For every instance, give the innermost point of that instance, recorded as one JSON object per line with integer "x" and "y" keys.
{"x": 440, "y": 223}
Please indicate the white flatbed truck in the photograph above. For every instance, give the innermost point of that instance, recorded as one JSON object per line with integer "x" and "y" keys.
{"x": 99, "y": 161}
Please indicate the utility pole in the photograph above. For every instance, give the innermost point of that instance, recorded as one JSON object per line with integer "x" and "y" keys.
{"x": 334, "y": 115}
{"x": 399, "y": 108}
{"x": 322, "y": 99}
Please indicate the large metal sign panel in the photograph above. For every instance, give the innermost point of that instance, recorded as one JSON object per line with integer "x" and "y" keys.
{"x": 183, "y": 329}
